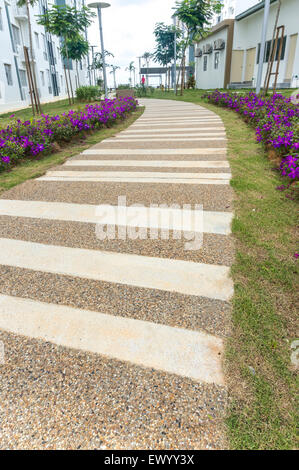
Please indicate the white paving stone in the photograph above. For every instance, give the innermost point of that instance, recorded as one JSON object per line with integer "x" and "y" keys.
{"x": 149, "y": 217}
{"x": 186, "y": 151}
{"x": 192, "y": 354}
{"x": 171, "y": 275}
{"x": 134, "y": 180}
{"x": 163, "y": 139}
{"x": 139, "y": 174}
{"x": 151, "y": 163}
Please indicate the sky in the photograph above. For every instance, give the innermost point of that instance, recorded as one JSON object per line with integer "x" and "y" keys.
{"x": 128, "y": 27}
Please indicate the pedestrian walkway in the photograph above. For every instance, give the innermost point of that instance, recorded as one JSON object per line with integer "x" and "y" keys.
{"x": 114, "y": 317}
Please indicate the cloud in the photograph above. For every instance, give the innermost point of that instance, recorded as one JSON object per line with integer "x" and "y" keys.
{"x": 128, "y": 30}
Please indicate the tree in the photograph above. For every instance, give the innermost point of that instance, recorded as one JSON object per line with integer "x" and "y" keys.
{"x": 164, "y": 52}
{"x": 27, "y": 4}
{"x": 113, "y": 71}
{"x": 75, "y": 49}
{"x": 98, "y": 63}
{"x": 131, "y": 69}
{"x": 66, "y": 22}
{"x": 196, "y": 15}
{"x": 147, "y": 56}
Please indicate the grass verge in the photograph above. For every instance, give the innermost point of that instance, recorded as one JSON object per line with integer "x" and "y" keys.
{"x": 35, "y": 168}
{"x": 261, "y": 380}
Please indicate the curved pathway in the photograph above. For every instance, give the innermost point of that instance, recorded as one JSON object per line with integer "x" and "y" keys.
{"x": 116, "y": 341}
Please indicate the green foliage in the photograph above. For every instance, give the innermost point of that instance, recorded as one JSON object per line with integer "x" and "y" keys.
{"x": 191, "y": 82}
{"x": 66, "y": 21}
{"x": 123, "y": 86}
{"x": 196, "y": 14}
{"x": 164, "y": 52}
{"x": 98, "y": 60}
{"x": 87, "y": 93}
{"x": 75, "y": 48}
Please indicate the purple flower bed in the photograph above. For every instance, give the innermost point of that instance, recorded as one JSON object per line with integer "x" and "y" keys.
{"x": 34, "y": 138}
{"x": 276, "y": 120}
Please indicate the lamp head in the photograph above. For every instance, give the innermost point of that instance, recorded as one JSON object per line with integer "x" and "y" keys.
{"x": 98, "y": 5}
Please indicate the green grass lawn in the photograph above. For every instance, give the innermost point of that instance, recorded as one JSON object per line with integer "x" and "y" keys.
{"x": 36, "y": 168}
{"x": 259, "y": 372}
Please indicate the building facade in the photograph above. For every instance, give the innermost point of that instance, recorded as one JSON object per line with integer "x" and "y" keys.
{"x": 213, "y": 56}
{"x": 247, "y": 43}
{"x": 48, "y": 62}
{"x": 229, "y": 56}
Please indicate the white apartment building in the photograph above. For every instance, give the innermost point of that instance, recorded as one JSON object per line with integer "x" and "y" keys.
{"x": 229, "y": 55}
{"x": 247, "y": 43}
{"x": 232, "y": 8}
{"x": 49, "y": 70}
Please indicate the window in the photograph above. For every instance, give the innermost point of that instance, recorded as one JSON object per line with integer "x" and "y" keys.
{"x": 267, "y": 55}
{"x": 49, "y": 81}
{"x": 37, "y": 40}
{"x": 23, "y": 78}
{"x": 205, "y": 63}
{"x": 42, "y": 77}
{"x": 8, "y": 74}
{"x": 45, "y": 47}
{"x": 216, "y": 60}
{"x": 1, "y": 20}
{"x": 16, "y": 35}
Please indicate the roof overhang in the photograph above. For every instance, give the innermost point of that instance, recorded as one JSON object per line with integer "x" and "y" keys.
{"x": 252, "y": 10}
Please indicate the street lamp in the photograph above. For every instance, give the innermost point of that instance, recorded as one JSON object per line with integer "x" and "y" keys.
{"x": 99, "y": 6}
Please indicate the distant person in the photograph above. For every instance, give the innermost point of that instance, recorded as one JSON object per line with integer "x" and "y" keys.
{"x": 143, "y": 80}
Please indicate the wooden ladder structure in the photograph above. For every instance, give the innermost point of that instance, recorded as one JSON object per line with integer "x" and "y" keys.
{"x": 276, "y": 51}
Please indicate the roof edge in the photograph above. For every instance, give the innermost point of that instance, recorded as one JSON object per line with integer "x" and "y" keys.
{"x": 252, "y": 10}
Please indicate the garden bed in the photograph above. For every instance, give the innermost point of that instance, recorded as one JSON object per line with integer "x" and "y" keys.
{"x": 276, "y": 122}
{"x": 35, "y": 138}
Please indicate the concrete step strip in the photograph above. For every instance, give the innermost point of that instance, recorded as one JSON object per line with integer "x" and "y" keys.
{"x": 182, "y": 121}
{"x": 165, "y": 139}
{"x": 185, "y": 277}
{"x": 147, "y": 217}
{"x": 174, "y": 136}
{"x": 186, "y": 353}
{"x": 171, "y": 129}
{"x": 134, "y": 180}
{"x": 151, "y": 163}
{"x": 176, "y": 123}
{"x": 139, "y": 174}
{"x": 186, "y": 151}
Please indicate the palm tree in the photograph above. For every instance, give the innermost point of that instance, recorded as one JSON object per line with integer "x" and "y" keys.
{"x": 147, "y": 56}
{"x": 27, "y": 4}
{"x": 114, "y": 68}
{"x": 131, "y": 69}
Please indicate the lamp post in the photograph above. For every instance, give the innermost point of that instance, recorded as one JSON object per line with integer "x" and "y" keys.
{"x": 175, "y": 54}
{"x": 99, "y": 6}
{"x": 93, "y": 67}
{"x": 263, "y": 45}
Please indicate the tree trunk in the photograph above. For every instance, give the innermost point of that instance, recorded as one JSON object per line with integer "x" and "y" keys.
{"x": 39, "y": 109}
{"x": 69, "y": 74}
{"x": 67, "y": 85}
{"x": 78, "y": 79}
{"x": 183, "y": 73}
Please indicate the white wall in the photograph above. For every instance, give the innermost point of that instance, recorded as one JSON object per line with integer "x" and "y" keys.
{"x": 242, "y": 5}
{"x": 248, "y": 34}
{"x": 211, "y": 78}
{"x": 10, "y": 97}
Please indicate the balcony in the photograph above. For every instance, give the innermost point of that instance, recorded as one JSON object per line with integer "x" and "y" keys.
{"x": 20, "y": 13}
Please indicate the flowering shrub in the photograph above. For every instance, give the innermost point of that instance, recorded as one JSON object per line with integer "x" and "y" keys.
{"x": 276, "y": 120}
{"x": 34, "y": 138}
